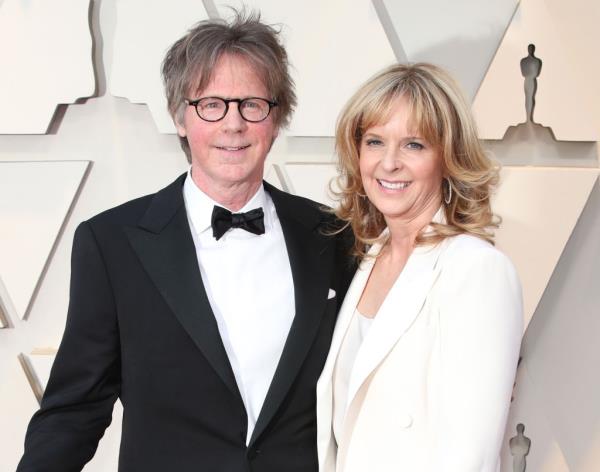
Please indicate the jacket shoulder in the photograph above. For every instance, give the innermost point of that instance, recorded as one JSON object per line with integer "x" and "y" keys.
{"x": 127, "y": 213}
{"x": 162, "y": 203}
{"x": 468, "y": 256}
{"x": 466, "y": 245}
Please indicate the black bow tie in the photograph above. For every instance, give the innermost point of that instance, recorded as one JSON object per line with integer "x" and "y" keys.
{"x": 222, "y": 220}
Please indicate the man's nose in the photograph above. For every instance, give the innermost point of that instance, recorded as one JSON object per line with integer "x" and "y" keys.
{"x": 233, "y": 120}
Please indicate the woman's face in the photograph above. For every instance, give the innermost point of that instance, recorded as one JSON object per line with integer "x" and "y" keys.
{"x": 401, "y": 172}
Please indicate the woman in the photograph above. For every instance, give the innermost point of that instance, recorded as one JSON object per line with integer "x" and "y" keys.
{"x": 423, "y": 358}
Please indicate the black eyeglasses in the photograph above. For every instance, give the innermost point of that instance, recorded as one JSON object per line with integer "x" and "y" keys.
{"x": 252, "y": 109}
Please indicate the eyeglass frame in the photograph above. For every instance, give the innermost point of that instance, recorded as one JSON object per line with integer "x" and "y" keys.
{"x": 227, "y": 101}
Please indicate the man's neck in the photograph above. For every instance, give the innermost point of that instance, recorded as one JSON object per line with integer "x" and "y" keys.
{"x": 233, "y": 197}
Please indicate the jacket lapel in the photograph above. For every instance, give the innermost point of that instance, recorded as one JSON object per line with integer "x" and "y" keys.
{"x": 325, "y": 383}
{"x": 311, "y": 256}
{"x": 345, "y": 316}
{"x": 164, "y": 245}
{"x": 395, "y": 316}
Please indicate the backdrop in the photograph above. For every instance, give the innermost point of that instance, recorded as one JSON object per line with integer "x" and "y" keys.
{"x": 83, "y": 127}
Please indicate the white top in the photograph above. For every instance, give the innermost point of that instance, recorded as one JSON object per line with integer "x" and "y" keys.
{"x": 248, "y": 281}
{"x": 359, "y": 326}
{"x": 364, "y": 323}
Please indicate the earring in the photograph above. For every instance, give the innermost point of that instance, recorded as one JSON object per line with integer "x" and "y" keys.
{"x": 448, "y": 198}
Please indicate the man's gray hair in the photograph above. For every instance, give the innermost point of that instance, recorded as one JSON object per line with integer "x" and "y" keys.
{"x": 189, "y": 64}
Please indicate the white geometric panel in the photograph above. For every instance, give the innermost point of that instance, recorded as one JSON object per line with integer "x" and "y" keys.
{"x": 273, "y": 176}
{"x": 333, "y": 47}
{"x": 36, "y": 367}
{"x": 561, "y": 344}
{"x": 35, "y": 198}
{"x": 539, "y": 209}
{"x": 145, "y": 31}
{"x": 581, "y": 35}
{"x": 4, "y": 306}
{"x": 311, "y": 180}
{"x": 545, "y": 454}
{"x": 46, "y": 57}
{"x": 567, "y": 94}
{"x": 534, "y": 145}
{"x": 461, "y": 36}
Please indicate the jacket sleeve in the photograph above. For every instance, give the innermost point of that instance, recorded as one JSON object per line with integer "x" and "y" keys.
{"x": 481, "y": 324}
{"x": 85, "y": 379}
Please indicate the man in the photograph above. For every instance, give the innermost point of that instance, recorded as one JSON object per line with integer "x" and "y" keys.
{"x": 208, "y": 307}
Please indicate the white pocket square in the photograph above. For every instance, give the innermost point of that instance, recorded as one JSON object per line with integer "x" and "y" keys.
{"x": 331, "y": 294}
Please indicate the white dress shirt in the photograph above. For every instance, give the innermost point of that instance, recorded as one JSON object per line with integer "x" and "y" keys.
{"x": 248, "y": 281}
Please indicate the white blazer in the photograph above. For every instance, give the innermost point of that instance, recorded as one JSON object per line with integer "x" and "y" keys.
{"x": 430, "y": 387}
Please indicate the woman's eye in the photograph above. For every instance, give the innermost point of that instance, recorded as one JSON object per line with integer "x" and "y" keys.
{"x": 373, "y": 142}
{"x": 414, "y": 145}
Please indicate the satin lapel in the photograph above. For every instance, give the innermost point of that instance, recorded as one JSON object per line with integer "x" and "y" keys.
{"x": 325, "y": 386}
{"x": 345, "y": 316}
{"x": 311, "y": 256}
{"x": 400, "y": 308}
{"x": 165, "y": 247}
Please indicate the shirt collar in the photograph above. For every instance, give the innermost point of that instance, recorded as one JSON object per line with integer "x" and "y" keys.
{"x": 199, "y": 206}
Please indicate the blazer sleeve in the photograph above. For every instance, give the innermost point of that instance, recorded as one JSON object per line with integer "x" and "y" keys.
{"x": 85, "y": 378}
{"x": 481, "y": 325}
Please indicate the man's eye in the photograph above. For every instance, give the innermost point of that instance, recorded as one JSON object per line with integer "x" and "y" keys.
{"x": 251, "y": 104}
{"x": 212, "y": 104}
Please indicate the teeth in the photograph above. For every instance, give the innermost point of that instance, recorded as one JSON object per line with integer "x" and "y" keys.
{"x": 393, "y": 185}
{"x": 232, "y": 148}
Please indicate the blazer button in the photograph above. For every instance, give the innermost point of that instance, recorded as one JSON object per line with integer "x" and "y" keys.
{"x": 405, "y": 421}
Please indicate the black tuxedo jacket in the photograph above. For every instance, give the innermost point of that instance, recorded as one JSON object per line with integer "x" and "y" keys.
{"x": 140, "y": 328}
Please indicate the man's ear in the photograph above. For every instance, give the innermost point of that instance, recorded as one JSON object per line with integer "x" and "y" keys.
{"x": 179, "y": 122}
{"x": 181, "y": 131}
{"x": 275, "y": 134}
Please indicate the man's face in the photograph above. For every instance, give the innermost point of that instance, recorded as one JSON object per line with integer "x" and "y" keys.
{"x": 231, "y": 152}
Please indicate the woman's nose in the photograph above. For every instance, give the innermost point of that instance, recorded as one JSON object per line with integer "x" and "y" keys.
{"x": 391, "y": 160}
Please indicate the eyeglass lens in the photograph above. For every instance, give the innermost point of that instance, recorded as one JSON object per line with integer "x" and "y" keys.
{"x": 215, "y": 108}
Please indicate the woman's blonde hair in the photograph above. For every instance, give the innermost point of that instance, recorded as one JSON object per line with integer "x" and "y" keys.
{"x": 441, "y": 115}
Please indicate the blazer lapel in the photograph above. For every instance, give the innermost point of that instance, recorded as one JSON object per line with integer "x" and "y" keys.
{"x": 345, "y": 316}
{"x": 325, "y": 383}
{"x": 311, "y": 256}
{"x": 400, "y": 308}
{"x": 164, "y": 245}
